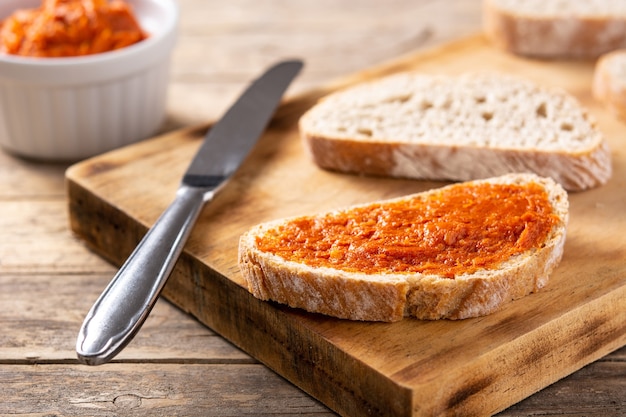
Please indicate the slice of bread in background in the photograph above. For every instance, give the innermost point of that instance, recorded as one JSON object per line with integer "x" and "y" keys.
{"x": 458, "y": 128}
{"x": 609, "y": 82}
{"x": 428, "y": 290}
{"x": 575, "y": 29}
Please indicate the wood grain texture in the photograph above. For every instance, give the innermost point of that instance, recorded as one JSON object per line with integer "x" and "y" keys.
{"x": 175, "y": 365}
{"x": 53, "y": 316}
{"x": 411, "y": 368}
{"x": 161, "y": 390}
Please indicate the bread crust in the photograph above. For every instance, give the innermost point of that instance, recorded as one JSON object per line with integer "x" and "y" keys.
{"x": 575, "y": 172}
{"x": 390, "y": 297}
{"x": 561, "y": 34}
{"x": 609, "y": 82}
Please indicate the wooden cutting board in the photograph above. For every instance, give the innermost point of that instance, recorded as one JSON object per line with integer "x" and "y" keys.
{"x": 409, "y": 368}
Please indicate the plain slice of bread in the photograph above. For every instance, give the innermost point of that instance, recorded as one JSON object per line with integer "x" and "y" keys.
{"x": 556, "y": 29}
{"x": 609, "y": 82}
{"x": 391, "y": 295}
{"x": 458, "y": 128}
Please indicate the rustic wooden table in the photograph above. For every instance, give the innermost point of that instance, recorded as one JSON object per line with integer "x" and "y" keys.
{"x": 176, "y": 366}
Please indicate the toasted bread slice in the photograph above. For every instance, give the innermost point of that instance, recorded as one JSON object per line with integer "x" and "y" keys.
{"x": 455, "y": 252}
{"x": 461, "y": 128}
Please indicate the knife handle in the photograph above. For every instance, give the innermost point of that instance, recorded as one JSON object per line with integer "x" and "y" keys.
{"x": 126, "y": 302}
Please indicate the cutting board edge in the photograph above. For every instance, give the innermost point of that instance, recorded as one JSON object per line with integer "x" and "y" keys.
{"x": 554, "y": 350}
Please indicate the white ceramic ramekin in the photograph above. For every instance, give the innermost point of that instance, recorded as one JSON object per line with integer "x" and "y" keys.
{"x": 66, "y": 109}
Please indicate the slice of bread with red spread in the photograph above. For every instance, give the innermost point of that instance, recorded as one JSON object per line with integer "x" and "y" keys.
{"x": 460, "y": 251}
{"x": 458, "y": 128}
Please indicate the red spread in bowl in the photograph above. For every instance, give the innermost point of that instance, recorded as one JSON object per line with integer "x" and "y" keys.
{"x": 63, "y": 28}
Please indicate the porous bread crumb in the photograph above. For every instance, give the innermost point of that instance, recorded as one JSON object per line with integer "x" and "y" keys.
{"x": 473, "y": 110}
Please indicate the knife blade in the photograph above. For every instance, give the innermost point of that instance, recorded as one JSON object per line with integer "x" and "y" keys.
{"x": 122, "y": 308}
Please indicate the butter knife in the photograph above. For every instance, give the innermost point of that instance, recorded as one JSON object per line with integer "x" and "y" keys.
{"x": 124, "y": 305}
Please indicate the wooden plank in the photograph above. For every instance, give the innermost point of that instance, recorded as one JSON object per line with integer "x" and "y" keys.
{"x": 477, "y": 366}
{"x": 247, "y": 389}
{"x": 26, "y": 179}
{"x": 150, "y": 389}
{"x": 36, "y": 239}
{"x": 40, "y": 316}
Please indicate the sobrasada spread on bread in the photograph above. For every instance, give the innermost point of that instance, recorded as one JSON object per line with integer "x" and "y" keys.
{"x": 456, "y": 231}
{"x": 64, "y": 28}
{"x": 459, "y": 251}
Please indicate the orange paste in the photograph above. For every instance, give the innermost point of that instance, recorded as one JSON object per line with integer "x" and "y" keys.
{"x": 455, "y": 231}
{"x": 62, "y": 28}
